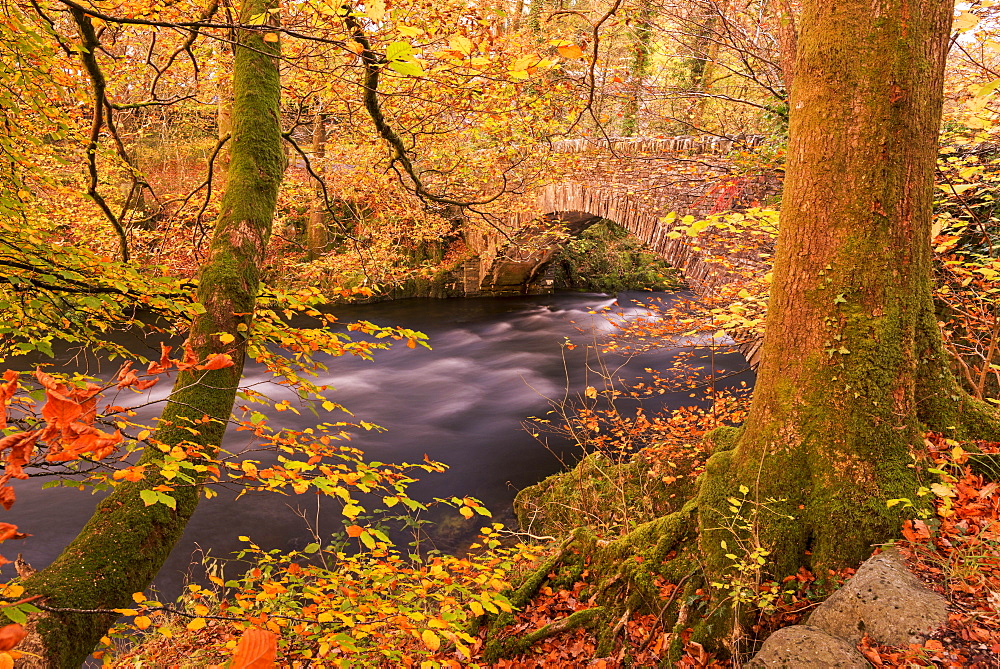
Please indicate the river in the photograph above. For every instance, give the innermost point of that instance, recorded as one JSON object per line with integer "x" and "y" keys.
{"x": 494, "y": 362}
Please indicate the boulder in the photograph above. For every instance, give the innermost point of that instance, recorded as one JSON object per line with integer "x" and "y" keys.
{"x": 884, "y": 600}
{"x": 807, "y": 647}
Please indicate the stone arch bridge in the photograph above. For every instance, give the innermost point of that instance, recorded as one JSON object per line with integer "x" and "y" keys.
{"x": 634, "y": 182}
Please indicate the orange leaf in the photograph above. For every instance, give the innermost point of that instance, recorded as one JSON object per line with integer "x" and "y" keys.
{"x": 570, "y": 51}
{"x": 164, "y": 362}
{"x": 21, "y": 446}
{"x": 218, "y": 361}
{"x": 7, "y": 497}
{"x": 48, "y": 382}
{"x": 256, "y": 650}
{"x": 7, "y": 391}
{"x": 355, "y": 531}
{"x": 11, "y": 635}
{"x": 60, "y": 410}
{"x": 8, "y": 531}
{"x": 147, "y": 384}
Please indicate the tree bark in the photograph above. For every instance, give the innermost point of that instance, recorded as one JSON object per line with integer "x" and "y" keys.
{"x": 638, "y": 68}
{"x": 852, "y": 368}
{"x": 317, "y": 236}
{"x": 125, "y": 543}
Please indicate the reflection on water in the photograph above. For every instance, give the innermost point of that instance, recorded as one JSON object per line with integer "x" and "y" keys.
{"x": 494, "y": 362}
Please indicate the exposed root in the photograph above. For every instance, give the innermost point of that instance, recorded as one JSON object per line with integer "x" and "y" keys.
{"x": 511, "y": 646}
{"x": 628, "y": 575}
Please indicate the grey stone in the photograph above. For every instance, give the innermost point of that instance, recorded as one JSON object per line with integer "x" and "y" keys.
{"x": 805, "y": 647}
{"x": 884, "y": 600}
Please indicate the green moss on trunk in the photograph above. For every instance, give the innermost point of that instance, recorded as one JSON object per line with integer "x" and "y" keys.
{"x": 125, "y": 543}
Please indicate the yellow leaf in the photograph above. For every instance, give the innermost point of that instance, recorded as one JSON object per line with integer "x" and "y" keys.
{"x": 196, "y": 624}
{"x": 138, "y": 598}
{"x": 965, "y": 21}
{"x": 375, "y": 9}
{"x": 524, "y": 62}
{"x": 570, "y": 51}
{"x": 409, "y": 31}
{"x": 591, "y": 392}
{"x": 270, "y": 37}
{"x": 460, "y": 44}
{"x": 431, "y": 640}
{"x": 142, "y": 622}
{"x": 467, "y": 512}
{"x": 126, "y": 612}
{"x": 477, "y": 608}
{"x": 225, "y": 337}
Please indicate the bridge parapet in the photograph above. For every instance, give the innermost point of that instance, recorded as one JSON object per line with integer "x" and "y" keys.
{"x": 708, "y": 144}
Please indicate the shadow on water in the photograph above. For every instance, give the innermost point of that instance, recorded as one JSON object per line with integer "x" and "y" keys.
{"x": 494, "y": 362}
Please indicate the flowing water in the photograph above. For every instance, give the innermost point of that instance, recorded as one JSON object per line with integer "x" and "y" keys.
{"x": 494, "y": 362}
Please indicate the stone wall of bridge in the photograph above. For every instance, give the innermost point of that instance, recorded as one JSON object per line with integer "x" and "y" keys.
{"x": 634, "y": 182}
{"x": 636, "y": 191}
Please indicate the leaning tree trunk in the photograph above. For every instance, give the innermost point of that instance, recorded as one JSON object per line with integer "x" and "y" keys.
{"x": 852, "y": 369}
{"x": 125, "y": 543}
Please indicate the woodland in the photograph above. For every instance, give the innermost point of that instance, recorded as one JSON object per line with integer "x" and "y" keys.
{"x": 226, "y": 174}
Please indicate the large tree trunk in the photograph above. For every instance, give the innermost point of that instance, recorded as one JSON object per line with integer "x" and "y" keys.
{"x": 125, "y": 543}
{"x": 852, "y": 367}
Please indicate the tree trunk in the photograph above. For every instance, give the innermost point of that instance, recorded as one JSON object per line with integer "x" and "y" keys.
{"x": 638, "y": 68}
{"x": 316, "y": 230}
{"x": 224, "y": 103}
{"x": 705, "y": 51}
{"x": 788, "y": 35}
{"x": 852, "y": 368}
{"x": 125, "y": 543}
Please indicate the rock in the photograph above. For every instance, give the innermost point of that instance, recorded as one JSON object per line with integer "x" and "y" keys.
{"x": 805, "y": 646}
{"x": 884, "y": 600}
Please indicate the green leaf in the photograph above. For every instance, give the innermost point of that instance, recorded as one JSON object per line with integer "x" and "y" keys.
{"x": 408, "y": 68}
{"x": 149, "y": 497}
{"x": 16, "y": 614}
{"x": 399, "y": 50}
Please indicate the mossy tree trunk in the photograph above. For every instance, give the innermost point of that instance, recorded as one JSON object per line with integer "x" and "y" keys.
{"x": 642, "y": 51}
{"x": 125, "y": 543}
{"x": 852, "y": 368}
{"x": 705, "y": 51}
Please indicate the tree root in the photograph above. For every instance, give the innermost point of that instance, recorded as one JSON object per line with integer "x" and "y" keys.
{"x": 626, "y": 575}
{"x": 516, "y": 645}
